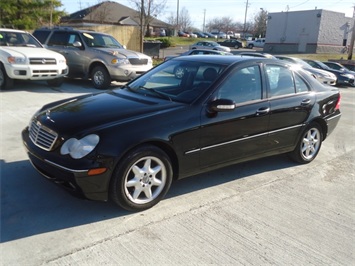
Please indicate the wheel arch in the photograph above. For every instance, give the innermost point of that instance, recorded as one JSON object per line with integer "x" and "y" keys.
{"x": 165, "y": 147}
{"x": 95, "y": 64}
{"x": 321, "y": 122}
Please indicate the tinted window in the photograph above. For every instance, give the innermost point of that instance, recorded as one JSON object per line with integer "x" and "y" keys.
{"x": 59, "y": 38}
{"x": 242, "y": 85}
{"x": 41, "y": 35}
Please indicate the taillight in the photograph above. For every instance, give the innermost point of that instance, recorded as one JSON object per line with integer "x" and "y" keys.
{"x": 337, "y": 106}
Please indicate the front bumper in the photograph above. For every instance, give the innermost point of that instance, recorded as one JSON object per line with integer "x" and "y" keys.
{"x": 127, "y": 72}
{"x": 35, "y": 72}
{"x": 69, "y": 173}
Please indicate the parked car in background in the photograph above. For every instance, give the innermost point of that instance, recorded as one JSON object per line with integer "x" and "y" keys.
{"x": 128, "y": 144}
{"x": 209, "y": 35}
{"x": 338, "y": 66}
{"x": 323, "y": 76}
{"x": 256, "y": 43}
{"x": 191, "y": 35}
{"x": 200, "y": 34}
{"x": 220, "y": 34}
{"x": 94, "y": 55}
{"x": 22, "y": 57}
{"x": 343, "y": 79}
{"x": 183, "y": 34}
{"x": 234, "y": 43}
{"x": 199, "y": 52}
{"x": 209, "y": 45}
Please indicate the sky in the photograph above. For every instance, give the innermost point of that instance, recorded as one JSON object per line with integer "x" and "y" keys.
{"x": 205, "y": 10}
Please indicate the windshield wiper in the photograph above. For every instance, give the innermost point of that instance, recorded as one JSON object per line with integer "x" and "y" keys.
{"x": 162, "y": 95}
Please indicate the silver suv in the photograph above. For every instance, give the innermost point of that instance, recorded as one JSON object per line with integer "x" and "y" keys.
{"x": 93, "y": 55}
{"x": 23, "y": 57}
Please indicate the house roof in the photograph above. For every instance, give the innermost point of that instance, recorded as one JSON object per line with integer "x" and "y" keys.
{"x": 110, "y": 12}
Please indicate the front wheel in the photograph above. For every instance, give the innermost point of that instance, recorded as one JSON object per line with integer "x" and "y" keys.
{"x": 100, "y": 78}
{"x": 6, "y": 82}
{"x": 142, "y": 179}
{"x": 309, "y": 145}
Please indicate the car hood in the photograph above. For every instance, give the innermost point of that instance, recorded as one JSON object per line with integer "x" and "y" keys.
{"x": 122, "y": 52}
{"x": 93, "y": 112}
{"x": 30, "y": 52}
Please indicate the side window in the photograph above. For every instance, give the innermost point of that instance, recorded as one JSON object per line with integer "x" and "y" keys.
{"x": 301, "y": 86}
{"x": 281, "y": 81}
{"x": 59, "y": 38}
{"x": 73, "y": 37}
{"x": 242, "y": 85}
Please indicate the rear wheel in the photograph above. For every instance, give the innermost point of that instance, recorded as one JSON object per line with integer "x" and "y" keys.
{"x": 6, "y": 82}
{"x": 309, "y": 145}
{"x": 142, "y": 179}
{"x": 100, "y": 78}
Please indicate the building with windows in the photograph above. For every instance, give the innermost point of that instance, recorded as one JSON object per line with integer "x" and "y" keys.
{"x": 311, "y": 31}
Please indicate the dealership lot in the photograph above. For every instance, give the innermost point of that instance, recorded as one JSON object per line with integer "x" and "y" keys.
{"x": 264, "y": 212}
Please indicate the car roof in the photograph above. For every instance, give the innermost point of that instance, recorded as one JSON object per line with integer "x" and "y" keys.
{"x": 70, "y": 29}
{"x": 220, "y": 59}
{"x": 12, "y": 30}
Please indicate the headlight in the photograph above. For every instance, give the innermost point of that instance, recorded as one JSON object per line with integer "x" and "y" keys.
{"x": 120, "y": 61}
{"x": 78, "y": 148}
{"x": 347, "y": 76}
{"x": 62, "y": 61}
{"x": 16, "y": 60}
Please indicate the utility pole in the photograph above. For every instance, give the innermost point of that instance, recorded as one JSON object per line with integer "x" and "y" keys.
{"x": 350, "y": 52}
{"x": 245, "y": 17}
{"x": 177, "y": 17}
{"x": 204, "y": 20}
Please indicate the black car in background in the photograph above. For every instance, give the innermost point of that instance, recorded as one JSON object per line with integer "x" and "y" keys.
{"x": 233, "y": 43}
{"x": 188, "y": 115}
{"x": 343, "y": 79}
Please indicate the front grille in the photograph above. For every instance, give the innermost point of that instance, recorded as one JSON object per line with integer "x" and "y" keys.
{"x": 43, "y": 61}
{"x": 138, "y": 61}
{"x": 42, "y": 136}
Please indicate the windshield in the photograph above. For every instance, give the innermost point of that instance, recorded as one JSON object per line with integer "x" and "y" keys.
{"x": 177, "y": 80}
{"x": 8, "y": 38}
{"x": 93, "y": 39}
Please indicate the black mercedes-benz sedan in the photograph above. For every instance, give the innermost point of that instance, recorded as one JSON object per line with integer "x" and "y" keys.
{"x": 186, "y": 116}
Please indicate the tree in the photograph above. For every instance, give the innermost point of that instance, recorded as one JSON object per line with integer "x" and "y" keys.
{"x": 30, "y": 14}
{"x": 260, "y": 21}
{"x": 147, "y": 9}
{"x": 184, "y": 19}
{"x": 223, "y": 24}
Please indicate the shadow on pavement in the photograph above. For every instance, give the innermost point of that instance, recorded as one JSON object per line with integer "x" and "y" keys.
{"x": 31, "y": 205}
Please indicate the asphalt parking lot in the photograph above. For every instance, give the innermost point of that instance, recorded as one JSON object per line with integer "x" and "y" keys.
{"x": 265, "y": 212}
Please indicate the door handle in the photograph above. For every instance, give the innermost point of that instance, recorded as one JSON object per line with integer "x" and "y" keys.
{"x": 306, "y": 102}
{"x": 262, "y": 111}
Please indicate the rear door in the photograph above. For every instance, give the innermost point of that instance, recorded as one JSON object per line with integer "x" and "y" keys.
{"x": 63, "y": 42}
{"x": 291, "y": 101}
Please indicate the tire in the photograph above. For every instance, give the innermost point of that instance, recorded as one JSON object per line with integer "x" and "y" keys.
{"x": 100, "y": 78}
{"x": 142, "y": 179}
{"x": 309, "y": 144}
{"x": 55, "y": 82}
{"x": 250, "y": 46}
{"x": 6, "y": 82}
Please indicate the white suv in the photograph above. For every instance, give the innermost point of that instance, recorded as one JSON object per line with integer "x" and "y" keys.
{"x": 23, "y": 57}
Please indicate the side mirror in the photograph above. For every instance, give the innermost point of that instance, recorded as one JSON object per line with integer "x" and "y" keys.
{"x": 77, "y": 44}
{"x": 220, "y": 105}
